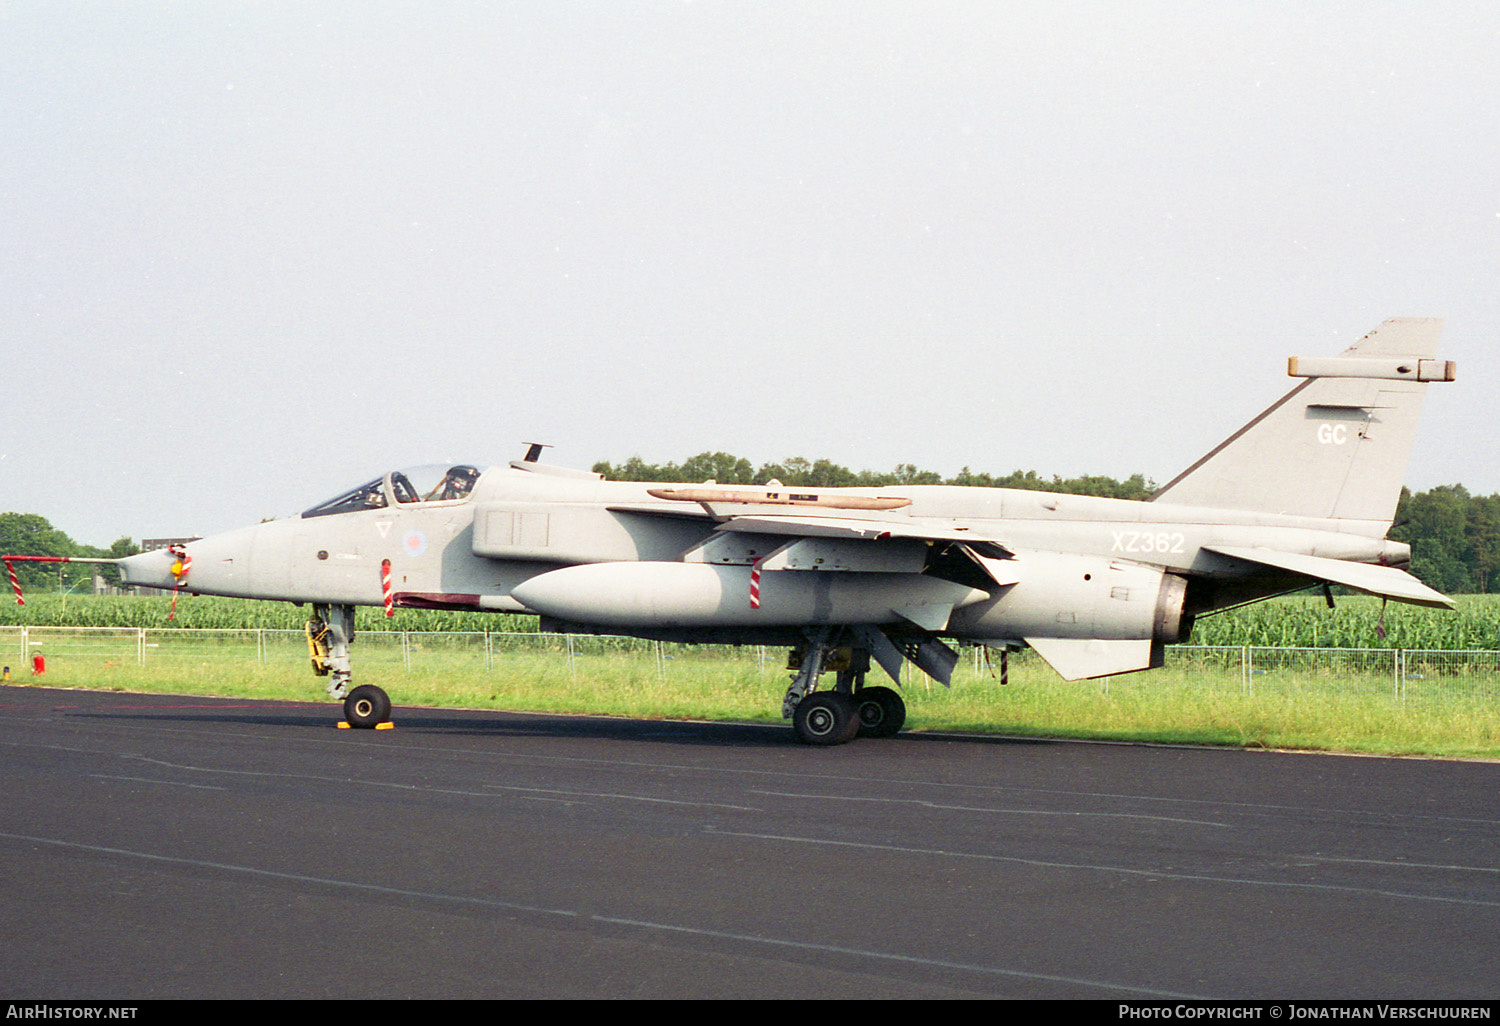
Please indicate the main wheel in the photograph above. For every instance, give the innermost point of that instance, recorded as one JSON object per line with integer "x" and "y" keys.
{"x": 881, "y": 712}
{"x": 825, "y": 718}
{"x": 366, "y": 706}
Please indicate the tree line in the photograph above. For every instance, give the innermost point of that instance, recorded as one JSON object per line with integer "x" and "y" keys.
{"x": 30, "y": 534}
{"x": 803, "y": 473}
{"x": 1454, "y": 536}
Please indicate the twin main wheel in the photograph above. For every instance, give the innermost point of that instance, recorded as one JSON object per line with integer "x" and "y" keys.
{"x": 831, "y": 718}
{"x": 881, "y": 712}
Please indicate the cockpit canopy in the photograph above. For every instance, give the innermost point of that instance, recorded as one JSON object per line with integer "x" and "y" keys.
{"x": 435, "y": 482}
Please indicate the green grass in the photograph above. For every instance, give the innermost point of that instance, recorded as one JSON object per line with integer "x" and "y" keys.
{"x": 1352, "y": 702}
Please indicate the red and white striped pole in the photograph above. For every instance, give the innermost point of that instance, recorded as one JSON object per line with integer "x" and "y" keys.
{"x": 15, "y": 583}
{"x": 755, "y": 585}
{"x": 385, "y": 588}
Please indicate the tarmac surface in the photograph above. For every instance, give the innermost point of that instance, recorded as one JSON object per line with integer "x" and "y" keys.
{"x": 163, "y": 847}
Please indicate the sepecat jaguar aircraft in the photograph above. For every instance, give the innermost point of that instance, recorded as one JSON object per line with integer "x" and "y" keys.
{"x": 1301, "y": 496}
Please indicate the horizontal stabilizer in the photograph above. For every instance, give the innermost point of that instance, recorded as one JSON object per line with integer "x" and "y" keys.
{"x": 1083, "y": 658}
{"x": 1385, "y": 581}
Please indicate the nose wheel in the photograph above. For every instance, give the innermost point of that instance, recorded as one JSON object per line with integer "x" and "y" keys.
{"x": 367, "y": 706}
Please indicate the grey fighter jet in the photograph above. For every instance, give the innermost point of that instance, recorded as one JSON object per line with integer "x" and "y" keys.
{"x": 1300, "y": 496}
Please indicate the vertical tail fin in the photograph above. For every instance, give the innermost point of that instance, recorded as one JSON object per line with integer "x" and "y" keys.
{"x": 1335, "y": 446}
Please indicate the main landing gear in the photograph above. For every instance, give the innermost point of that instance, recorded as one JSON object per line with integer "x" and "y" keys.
{"x": 851, "y": 709}
{"x": 330, "y": 632}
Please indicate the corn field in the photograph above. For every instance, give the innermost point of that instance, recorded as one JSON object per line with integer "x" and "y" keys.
{"x": 1299, "y": 621}
{"x": 1355, "y": 622}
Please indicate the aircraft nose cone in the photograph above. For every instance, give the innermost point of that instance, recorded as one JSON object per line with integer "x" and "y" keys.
{"x": 148, "y": 569}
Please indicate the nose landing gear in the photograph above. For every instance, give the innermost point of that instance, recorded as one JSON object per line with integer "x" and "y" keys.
{"x": 329, "y": 634}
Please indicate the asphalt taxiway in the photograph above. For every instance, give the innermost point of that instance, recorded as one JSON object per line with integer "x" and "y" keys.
{"x": 159, "y": 847}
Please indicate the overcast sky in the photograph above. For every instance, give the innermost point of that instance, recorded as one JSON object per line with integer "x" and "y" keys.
{"x": 254, "y": 253}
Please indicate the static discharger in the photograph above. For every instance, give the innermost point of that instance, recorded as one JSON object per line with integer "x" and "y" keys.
{"x": 778, "y": 498}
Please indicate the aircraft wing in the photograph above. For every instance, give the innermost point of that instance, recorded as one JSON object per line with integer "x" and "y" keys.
{"x": 1385, "y": 581}
{"x": 860, "y": 528}
{"x": 875, "y": 526}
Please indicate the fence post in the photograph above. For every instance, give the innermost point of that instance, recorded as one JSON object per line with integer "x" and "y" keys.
{"x": 1247, "y": 668}
{"x": 140, "y": 646}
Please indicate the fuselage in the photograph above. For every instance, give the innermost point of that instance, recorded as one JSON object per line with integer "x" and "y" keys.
{"x": 672, "y": 569}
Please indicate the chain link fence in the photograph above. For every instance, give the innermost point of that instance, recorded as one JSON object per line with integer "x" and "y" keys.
{"x": 1402, "y": 675}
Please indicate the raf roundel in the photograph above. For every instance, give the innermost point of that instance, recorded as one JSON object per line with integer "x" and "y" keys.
{"x": 414, "y": 543}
